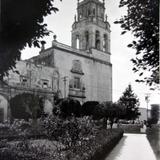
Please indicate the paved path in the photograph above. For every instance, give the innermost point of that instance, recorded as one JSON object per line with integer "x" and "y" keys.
{"x": 132, "y": 147}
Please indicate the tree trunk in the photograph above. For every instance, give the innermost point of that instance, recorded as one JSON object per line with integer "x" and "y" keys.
{"x": 105, "y": 122}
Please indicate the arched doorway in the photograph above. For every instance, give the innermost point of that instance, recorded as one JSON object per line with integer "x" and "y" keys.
{"x": 3, "y": 108}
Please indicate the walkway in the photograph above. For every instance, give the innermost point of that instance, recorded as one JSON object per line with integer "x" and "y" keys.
{"x": 132, "y": 147}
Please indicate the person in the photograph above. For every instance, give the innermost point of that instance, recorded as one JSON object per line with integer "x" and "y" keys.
{"x": 144, "y": 125}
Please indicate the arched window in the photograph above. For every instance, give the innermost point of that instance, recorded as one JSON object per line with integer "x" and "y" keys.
{"x": 87, "y": 39}
{"x": 77, "y": 74}
{"x": 105, "y": 42}
{"x": 94, "y": 12}
{"x": 89, "y": 12}
{"x": 80, "y": 16}
{"x": 77, "y": 41}
{"x": 97, "y": 40}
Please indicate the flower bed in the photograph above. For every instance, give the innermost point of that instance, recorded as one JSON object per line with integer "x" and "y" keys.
{"x": 68, "y": 139}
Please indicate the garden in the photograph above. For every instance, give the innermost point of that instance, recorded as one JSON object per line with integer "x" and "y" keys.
{"x": 72, "y": 132}
{"x": 74, "y": 138}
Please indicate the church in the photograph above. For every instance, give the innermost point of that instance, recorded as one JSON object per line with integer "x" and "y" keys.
{"x": 82, "y": 71}
{"x": 85, "y": 69}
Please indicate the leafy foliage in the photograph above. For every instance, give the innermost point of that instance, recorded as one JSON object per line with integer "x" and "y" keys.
{"x": 26, "y": 105}
{"x": 108, "y": 110}
{"x": 26, "y": 150}
{"x": 21, "y": 25}
{"x": 130, "y": 102}
{"x": 89, "y": 107}
{"x": 155, "y": 109}
{"x": 66, "y": 132}
{"x": 68, "y": 107}
{"x": 142, "y": 19}
{"x": 79, "y": 136}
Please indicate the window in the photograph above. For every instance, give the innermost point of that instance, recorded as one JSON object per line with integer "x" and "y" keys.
{"x": 77, "y": 42}
{"x": 80, "y": 13}
{"x": 71, "y": 83}
{"x": 87, "y": 39}
{"x": 24, "y": 80}
{"x": 104, "y": 42}
{"x": 94, "y": 11}
{"x": 44, "y": 83}
{"x": 80, "y": 16}
{"x": 77, "y": 82}
{"x": 89, "y": 12}
{"x": 97, "y": 40}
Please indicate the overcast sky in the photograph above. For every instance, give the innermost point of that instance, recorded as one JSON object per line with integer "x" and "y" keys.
{"x": 61, "y": 22}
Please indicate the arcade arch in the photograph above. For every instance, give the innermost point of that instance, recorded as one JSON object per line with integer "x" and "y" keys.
{"x": 3, "y": 108}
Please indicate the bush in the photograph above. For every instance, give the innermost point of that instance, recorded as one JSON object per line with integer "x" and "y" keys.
{"x": 89, "y": 107}
{"x": 26, "y": 105}
{"x": 73, "y": 138}
{"x": 20, "y": 129}
{"x": 155, "y": 109}
{"x": 69, "y": 107}
{"x": 67, "y": 132}
{"x": 26, "y": 150}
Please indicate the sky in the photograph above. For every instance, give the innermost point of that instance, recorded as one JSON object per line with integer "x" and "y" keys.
{"x": 60, "y": 24}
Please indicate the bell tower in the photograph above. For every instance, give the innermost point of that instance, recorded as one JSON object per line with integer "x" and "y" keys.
{"x": 91, "y": 29}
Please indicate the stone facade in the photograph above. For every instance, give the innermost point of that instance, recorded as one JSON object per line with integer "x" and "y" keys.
{"x": 30, "y": 75}
{"x": 85, "y": 69}
{"x": 28, "y": 78}
{"x": 82, "y": 71}
{"x": 92, "y": 73}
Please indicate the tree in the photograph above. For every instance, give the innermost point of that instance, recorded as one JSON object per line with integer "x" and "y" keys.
{"x": 130, "y": 101}
{"x": 142, "y": 20}
{"x": 69, "y": 107}
{"x": 108, "y": 111}
{"x": 155, "y": 111}
{"x": 89, "y": 108}
{"x": 21, "y": 24}
{"x": 111, "y": 112}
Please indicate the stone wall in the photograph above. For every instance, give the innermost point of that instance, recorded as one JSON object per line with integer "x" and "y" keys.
{"x": 97, "y": 74}
{"x": 32, "y": 78}
{"x": 30, "y": 75}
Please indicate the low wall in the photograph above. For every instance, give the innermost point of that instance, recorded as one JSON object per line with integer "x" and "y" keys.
{"x": 131, "y": 128}
{"x": 105, "y": 149}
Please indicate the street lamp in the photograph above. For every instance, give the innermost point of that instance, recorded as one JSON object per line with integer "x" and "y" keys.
{"x": 147, "y": 101}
